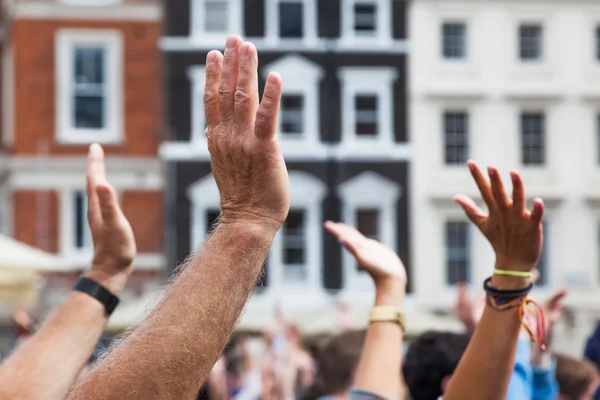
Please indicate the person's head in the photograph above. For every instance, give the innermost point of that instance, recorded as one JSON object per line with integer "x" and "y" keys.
{"x": 336, "y": 360}
{"x": 577, "y": 379}
{"x": 430, "y": 361}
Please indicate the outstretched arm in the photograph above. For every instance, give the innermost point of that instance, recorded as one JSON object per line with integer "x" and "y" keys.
{"x": 379, "y": 368}
{"x": 171, "y": 353}
{"x": 516, "y": 236}
{"x": 47, "y": 364}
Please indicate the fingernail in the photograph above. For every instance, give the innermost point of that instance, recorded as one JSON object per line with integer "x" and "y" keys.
{"x": 514, "y": 177}
{"x": 471, "y": 167}
{"x": 491, "y": 171}
{"x": 231, "y": 42}
{"x": 245, "y": 49}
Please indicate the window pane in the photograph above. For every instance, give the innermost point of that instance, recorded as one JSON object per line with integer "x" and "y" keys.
{"x": 456, "y": 137}
{"x": 291, "y": 19}
{"x": 542, "y": 265}
{"x": 365, "y": 18}
{"x": 211, "y": 218}
{"x": 294, "y": 246}
{"x": 533, "y": 138}
{"x": 82, "y": 234}
{"x": 457, "y": 252}
{"x": 368, "y": 222}
{"x": 292, "y": 114}
{"x": 530, "y": 42}
{"x": 216, "y": 16}
{"x": 89, "y": 88}
{"x": 366, "y": 115}
{"x": 454, "y": 40}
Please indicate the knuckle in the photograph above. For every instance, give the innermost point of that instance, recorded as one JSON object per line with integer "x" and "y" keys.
{"x": 263, "y": 115}
{"x": 210, "y": 97}
{"x": 241, "y": 97}
{"x": 225, "y": 89}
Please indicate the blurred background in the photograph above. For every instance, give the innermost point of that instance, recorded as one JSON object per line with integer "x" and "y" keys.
{"x": 384, "y": 101}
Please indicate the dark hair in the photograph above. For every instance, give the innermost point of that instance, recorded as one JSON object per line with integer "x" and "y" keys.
{"x": 574, "y": 376}
{"x": 336, "y": 362}
{"x": 430, "y": 358}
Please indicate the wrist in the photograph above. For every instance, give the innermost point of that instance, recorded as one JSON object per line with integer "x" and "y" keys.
{"x": 390, "y": 292}
{"x": 506, "y": 282}
{"x": 250, "y": 221}
{"x": 114, "y": 283}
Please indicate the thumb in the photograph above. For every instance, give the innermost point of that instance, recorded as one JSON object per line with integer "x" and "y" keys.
{"x": 108, "y": 201}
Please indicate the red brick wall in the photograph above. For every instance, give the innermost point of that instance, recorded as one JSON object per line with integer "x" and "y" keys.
{"x": 34, "y": 43}
{"x": 35, "y": 219}
{"x": 144, "y": 210}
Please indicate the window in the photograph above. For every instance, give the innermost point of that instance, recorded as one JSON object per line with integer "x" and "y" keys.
{"x": 458, "y": 258}
{"x": 533, "y": 138}
{"x": 366, "y": 23}
{"x": 89, "y": 89}
{"x": 456, "y": 138}
{"x": 365, "y": 19}
{"x": 542, "y": 265}
{"x": 83, "y": 236}
{"x": 291, "y": 19}
{"x": 215, "y": 18}
{"x": 530, "y": 42}
{"x": 598, "y": 43}
{"x": 366, "y": 115}
{"x": 368, "y": 203}
{"x": 292, "y": 114}
{"x": 367, "y": 108}
{"x": 298, "y": 120}
{"x": 294, "y": 245}
{"x": 212, "y": 20}
{"x": 454, "y": 46}
{"x": 367, "y": 222}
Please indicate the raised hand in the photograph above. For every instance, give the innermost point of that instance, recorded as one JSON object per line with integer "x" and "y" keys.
{"x": 514, "y": 232}
{"x": 381, "y": 262}
{"x": 114, "y": 244}
{"x": 468, "y": 310}
{"x": 246, "y": 161}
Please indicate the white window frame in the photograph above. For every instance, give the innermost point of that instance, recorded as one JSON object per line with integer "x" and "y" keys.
{"x": 309, "y": 19}
{"x": 383, "y": 35}
{"x": 301, "y": 77}
{"x": 66, "y": 199}
{"x": 197, "y": 32}
{"x": 66, "y": 41}
{"x": 372, "y": 191}
{"x": 543, "y": 40}
{"x": 465, "y": 55}
{"x": 469, "y": 249}
{"x": 197, "y": 76}
{"x": 307, "y": 193}
{"x": 376, "y": 81}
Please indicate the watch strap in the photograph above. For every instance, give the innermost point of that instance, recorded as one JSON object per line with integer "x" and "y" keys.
{"x": 387, "y": 314}
{"x": 99, "y": 292}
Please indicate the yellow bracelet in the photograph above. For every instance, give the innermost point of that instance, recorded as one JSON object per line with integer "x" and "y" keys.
{"x": 519, "y": 274}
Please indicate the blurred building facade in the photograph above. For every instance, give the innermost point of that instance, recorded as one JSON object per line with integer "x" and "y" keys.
{"x": 342, "y": 128}
{"x": 512, "y": 84}
{"x": 73, "y": 73}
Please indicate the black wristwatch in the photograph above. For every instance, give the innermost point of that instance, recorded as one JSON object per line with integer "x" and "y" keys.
{"x": 99, "y": 292}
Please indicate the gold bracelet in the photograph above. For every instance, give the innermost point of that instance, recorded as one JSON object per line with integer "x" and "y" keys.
{"x": 387, "y": 314}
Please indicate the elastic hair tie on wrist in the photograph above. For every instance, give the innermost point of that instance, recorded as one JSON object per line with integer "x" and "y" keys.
{"x": 508, "y": 293}
{"x": 519, "y": 274}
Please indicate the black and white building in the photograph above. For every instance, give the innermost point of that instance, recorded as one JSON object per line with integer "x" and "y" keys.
{"x": 343, "y": 131}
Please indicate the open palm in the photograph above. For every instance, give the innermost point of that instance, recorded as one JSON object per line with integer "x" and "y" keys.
{"x": 377, "y": 259}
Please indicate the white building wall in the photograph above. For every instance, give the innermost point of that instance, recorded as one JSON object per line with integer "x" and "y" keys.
{"x": 493, "y": 85}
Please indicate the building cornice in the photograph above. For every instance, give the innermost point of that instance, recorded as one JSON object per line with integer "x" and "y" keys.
{"x": 119, "y": 12}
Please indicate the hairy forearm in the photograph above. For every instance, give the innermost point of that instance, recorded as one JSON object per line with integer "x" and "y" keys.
{"x": 47, "y": 364}
{"x": 380, "y": 363}
{"x": 170, "y": 355}
{"x": 487, "y": 365}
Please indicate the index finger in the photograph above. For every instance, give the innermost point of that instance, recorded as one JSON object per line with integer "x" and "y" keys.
{"x": 96, "y": 172}
{"x": 483, "y": 184}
